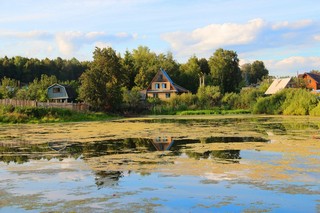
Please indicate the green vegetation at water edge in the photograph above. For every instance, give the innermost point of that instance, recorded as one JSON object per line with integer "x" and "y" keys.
{"x": 213, "y": 112}
{"x": 10, "y": 114}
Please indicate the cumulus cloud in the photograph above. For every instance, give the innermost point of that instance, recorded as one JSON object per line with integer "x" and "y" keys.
{"x": 70, "y": 42}
{"x": 67, "y": 44}
{"x": 293, "y": 25}
{"x": 292, "y": 65}
{"x": 255, "y": 35}
{"x": 214, "y": 36}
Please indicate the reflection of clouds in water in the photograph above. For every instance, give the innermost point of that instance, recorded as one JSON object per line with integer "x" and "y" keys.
{"x": 217, "y": 177}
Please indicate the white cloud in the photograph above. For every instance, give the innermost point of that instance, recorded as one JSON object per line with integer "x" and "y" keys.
{"x": 93, "y": 35}
{"x": 27, "y": 35}
{"x": 102, "y": 44}
{"x": 214, "y": 36}
{"x": 65, "y": 43}
{"x": 292, "y": 65}
{"x": 316, "y": 37}
{"x": 294, "y": 25}
{"x": 70, "y": 42}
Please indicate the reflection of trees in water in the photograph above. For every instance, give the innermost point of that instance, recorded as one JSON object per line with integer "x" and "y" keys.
{"x": 26, "y": 152}
{"x": 215, "y": 154}
{"x": 108, "y": 178}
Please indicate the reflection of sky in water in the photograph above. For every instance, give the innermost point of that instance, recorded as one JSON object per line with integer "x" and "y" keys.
{"x": 262, "y": 156}
{"x": 71, "y": 180}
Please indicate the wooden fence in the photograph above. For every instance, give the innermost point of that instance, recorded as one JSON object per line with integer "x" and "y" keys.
{"x": 23, "y": 103}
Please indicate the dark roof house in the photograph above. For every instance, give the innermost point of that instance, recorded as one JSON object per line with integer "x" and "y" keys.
{"x": 163, "y": 87}
{"x": 312, "y": 80}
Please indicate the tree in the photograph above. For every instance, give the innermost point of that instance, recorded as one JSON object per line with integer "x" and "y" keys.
{"x": 129, "y": 69}
{"x": 245, "y": 73}
{"x": 8, "y": 88}
{"x": 253, "y": 73}
{"x": 37, "y": 90}
{"x": 258, "y": 71}
{"x": 168, "y": 63}
{"x": 225, "y": 71}
{"x": 131, "y": 98}
{"x": 101, "y": 83}
{"x": 204, "y": 66}
{"x": 145, "y": 62}
{"x": 190, "y": 73}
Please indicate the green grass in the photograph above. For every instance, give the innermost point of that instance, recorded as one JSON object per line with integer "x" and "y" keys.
{"x": 10, "y": 114}
{"x": 213, "y": 112}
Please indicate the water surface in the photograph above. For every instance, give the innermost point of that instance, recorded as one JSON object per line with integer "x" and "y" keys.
{"x": 199, "y": 164}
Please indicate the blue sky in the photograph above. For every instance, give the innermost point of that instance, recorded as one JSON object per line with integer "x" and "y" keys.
{"x": 285, "y": 34}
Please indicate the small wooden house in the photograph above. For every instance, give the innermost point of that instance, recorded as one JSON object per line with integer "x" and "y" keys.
{"x": 163, "y": 87}
{"x": 312, "y": 80}
{"x": 61, "y": 93}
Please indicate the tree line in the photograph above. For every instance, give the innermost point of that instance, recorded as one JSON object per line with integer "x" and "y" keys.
{"x": 104, "y": 82}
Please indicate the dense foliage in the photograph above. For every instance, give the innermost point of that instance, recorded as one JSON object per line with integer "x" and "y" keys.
{"x": 113, "y": 83}
{"x": 288, "y": 102}
{"x": 25, "y": 70}
{"x": 101, "y": 83}
{"x": 10, "y": 114}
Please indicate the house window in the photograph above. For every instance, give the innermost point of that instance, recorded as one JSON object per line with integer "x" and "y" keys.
{"x": 309, "y": 81}
{"x": 157, "y": 86}
{"x": 56, "y": 90}
{"x": 164, "y": 85}
{"x": 167, "y": 95}
{"x": 161, "y": 77}
{"x": 155, "y": 95}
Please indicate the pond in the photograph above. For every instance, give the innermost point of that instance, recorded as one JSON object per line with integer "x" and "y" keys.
{"x": 239, "y": 163}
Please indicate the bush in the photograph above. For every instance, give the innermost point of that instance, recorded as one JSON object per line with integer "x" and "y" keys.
{"x": 287, "y": 102}
{"x": 10, "y": 114}
{"x": 208, "y": 97}
{"x": 247, "y": 98}
{"x": 229, "y": 100}
{"x": 299, "y": 102}
{"x": 315, "y": 111}
{"x": 270, "y": 105}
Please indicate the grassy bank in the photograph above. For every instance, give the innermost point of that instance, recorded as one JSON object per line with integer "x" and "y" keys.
{"x": 10, "y": 114}
{"x": 213, "y": 112}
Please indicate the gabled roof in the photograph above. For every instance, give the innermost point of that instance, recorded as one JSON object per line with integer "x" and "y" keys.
{"x": 277, "y": 85}
{"x": 174, "y": 85}
{"x": 315, "y": 76}
{"x": 69, "y": 90}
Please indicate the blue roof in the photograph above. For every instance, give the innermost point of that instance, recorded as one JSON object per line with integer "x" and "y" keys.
{"x": 168, "y": 77}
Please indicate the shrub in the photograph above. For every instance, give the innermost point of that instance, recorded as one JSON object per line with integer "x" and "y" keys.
{"x": 229, "y": 100}
{"x": 247, "y": 98}
{"x": 208, "y": 96}
{"x": 299, "y": 102}
{"x": 315, "y": 111}
{"x": 270, "y": 105}
{"x": 287, "y": 102}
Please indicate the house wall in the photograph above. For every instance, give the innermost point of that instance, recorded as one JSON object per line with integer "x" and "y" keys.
{"x": 57, "y": 95}
{"x": 310, "y": 82}
{"x": 167, "y": 87}
{"x": 161, "y": 95}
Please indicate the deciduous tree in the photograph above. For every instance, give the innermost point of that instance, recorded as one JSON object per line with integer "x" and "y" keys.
{"x": 101, "y": 83}
{"x": 225, "y": 71}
